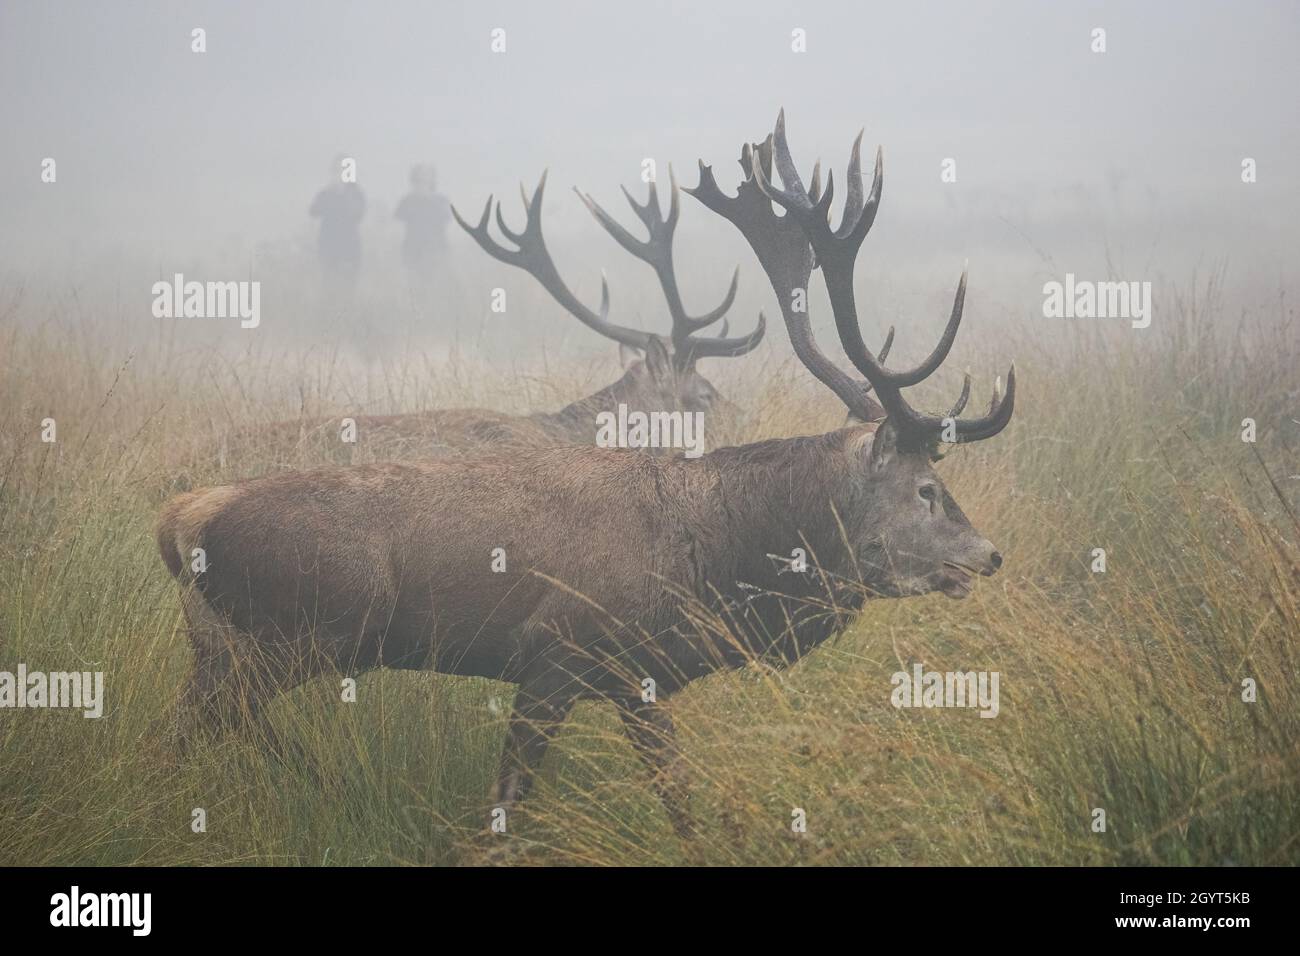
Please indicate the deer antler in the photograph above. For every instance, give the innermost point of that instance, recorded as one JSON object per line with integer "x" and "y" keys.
{"x": 533, "y": 257}
{"x": 784, "y": 252}
{"x": 836, "y": 251}
{"x": 657, "y": 252}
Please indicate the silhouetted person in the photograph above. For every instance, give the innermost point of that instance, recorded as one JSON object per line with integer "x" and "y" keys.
{"x": 426, "y": 214}
{"x": 340, "y": 207}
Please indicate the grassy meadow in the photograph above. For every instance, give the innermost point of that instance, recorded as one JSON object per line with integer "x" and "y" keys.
{"x": 1119, "y": 690}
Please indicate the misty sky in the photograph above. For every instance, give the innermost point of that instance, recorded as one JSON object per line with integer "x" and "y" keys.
{"x": 175, "y": 155}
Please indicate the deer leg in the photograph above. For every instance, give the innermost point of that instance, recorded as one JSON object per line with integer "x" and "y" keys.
{"x": 219, "y": 698}
{"x": 650, "y": 728}
{"x": 224, "y": 698}
{"x": 540, "y": 708}
{"x": 210, "y": 702}
{"x": 231, "y": 682}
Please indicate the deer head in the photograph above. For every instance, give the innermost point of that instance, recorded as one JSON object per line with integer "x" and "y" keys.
{"x": 661, "y": 374}
{"x": 908, "y": 534}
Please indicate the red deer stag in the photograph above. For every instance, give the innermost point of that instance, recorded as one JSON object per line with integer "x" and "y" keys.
{"x": 663, "y": 378}
{"x": 614, "y": 569}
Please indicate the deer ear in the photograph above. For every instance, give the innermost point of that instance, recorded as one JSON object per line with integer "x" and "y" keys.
{"x": 884, "y": 445}
{"x": 658, "y": 359}
{"x": 627, "y": 355}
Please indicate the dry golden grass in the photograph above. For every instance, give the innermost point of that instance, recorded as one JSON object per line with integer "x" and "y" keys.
{"x": 1120, "y": 690}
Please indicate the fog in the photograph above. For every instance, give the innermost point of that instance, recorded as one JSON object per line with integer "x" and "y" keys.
{"x": 1125, "y": 163}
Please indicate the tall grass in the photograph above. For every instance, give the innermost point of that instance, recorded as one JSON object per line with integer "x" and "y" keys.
{"x": 1121, "y": 690}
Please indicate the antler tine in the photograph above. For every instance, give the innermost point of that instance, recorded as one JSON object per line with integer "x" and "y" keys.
{"x": 515, "y": 237}
{"x": 704, "y": 321}
{"x": 697, "y": 347}
{"x": 871, "y": 206}
{"x": 532, "y": 215}
{"x": 785, "y": 165}
{"x": 674, "y": 200}
{"x": 533, "y": 257}
{"x": 1000, "y": 411}
{"x": 889, "y": 342}
{"x": 638, "y": 247}
{"x": 932, "y": 361}
{"x": 764, "y": 151}
{"x": 960, "y": 405}
{"x": 853, "y": 200}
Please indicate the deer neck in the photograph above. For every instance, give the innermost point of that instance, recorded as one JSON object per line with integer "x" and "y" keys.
{"x": 787, "y": 494}
{"x": 577, "y": 420}
{"x": 776, "y": 557}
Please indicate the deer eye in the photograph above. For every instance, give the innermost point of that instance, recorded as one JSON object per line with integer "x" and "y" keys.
{"x": 928, "y": 493}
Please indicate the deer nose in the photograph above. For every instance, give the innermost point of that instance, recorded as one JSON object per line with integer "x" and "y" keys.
{"x": 995, "y": 562}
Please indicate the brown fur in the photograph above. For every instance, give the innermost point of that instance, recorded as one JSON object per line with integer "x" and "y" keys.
{"x": 183, "y": 519}
{"x": 613, "y": 558}
{"x": 659, "y": 382}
